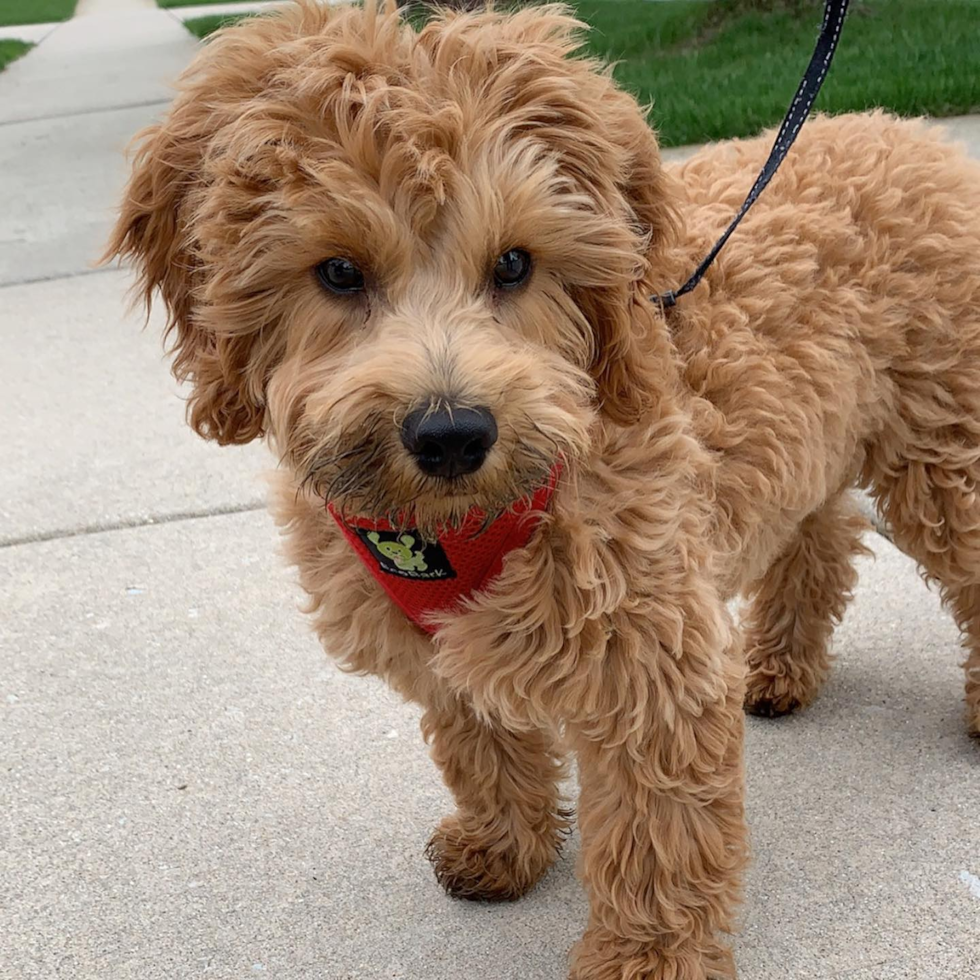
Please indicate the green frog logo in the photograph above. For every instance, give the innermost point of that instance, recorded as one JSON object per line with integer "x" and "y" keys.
{"x": 400, "y": 552}
{"x": 406, "y": 554}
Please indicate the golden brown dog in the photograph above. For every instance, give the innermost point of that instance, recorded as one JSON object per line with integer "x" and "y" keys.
{"x": 358, "y": 227}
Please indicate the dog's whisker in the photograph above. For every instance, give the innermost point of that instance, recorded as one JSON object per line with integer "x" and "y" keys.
{"x": 544, "y": 435}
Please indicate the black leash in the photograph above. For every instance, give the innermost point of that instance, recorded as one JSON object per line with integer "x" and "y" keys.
{"x": 833, "y": 19}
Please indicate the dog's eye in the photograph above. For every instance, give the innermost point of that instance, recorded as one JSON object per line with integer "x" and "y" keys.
{"x": 340, "y": 276}
{"x": 512, "y": 268}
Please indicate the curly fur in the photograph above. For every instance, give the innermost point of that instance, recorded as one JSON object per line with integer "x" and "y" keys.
{"x": 706, "y": 453}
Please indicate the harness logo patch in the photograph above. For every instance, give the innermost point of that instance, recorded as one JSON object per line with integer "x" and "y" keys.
{"x": 407, "y": 555}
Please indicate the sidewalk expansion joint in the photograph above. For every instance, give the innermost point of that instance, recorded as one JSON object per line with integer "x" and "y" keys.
{"x": 86, "y": 112}
{"x": 125, "y": 525}
{"x": 101, "y": 270}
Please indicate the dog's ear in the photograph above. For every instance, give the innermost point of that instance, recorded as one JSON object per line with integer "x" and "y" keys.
{"x": 642, "y": 180}
{"x": 623, "y": 369}
{"x": 155, "y": 229}
{"x": 625, "y": 364}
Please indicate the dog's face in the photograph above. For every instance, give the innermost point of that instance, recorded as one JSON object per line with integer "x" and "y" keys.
{"x": 409, "y": 257}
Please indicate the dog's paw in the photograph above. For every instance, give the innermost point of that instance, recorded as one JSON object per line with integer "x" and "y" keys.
{"x": 600, "y": 955}
{"x": 973, "y": 722}
{"x": 476, "y": 864}
{"x": 771, "y": 708}
{"x": 772, "y": 697}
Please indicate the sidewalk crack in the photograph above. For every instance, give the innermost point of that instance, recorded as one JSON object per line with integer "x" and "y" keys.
{"x": 59, "y": 534}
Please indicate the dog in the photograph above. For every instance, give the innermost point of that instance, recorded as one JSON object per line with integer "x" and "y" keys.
{"x": 418, "y": 260}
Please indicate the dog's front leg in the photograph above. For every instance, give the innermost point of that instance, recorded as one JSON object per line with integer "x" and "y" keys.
{"x": 660, "y": 811}
{"x": 662, "y": 845}
{"x": 650, "y": 690}
{"x": 509, "y": 824}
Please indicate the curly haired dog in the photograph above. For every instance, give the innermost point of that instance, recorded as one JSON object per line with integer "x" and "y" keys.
{"x": 362, "y": 230}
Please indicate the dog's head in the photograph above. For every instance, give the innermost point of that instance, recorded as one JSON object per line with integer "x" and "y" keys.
{"x": 410, "y": 256}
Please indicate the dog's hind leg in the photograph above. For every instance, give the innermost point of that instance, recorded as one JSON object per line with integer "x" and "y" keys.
{"x": 934, "y": 509}
{"x": 966, "y": 606}
{"x": 795, "y": 606}
{"x": 510, "y": 823}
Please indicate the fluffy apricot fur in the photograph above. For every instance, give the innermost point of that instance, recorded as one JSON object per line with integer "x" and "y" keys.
{"x": 706, "y": 453}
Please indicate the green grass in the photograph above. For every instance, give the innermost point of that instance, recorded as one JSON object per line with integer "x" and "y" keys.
{"x": 11, "y": 51}
{"x": 722, "y": 69}
{"x": 209, "y": 23}
{"x": 194, "y": 3}
{"x": 35, "y": 11}
{"x": 717, "y": 70}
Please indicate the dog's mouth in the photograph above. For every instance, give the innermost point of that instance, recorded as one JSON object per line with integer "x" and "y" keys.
{"x": 383, "y": 482}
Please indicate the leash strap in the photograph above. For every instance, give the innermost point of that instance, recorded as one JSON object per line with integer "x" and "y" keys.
{"x": 833, "y": 19}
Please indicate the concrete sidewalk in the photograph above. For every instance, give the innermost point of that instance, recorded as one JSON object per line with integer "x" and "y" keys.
{"x": 90, "y": 414}
{"x": 37, "y": 32}
{"x": 194, "y": 791}
{"x": 191, "y": 789}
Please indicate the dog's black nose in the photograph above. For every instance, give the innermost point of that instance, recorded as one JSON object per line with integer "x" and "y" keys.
{"x": 449, "y": 441}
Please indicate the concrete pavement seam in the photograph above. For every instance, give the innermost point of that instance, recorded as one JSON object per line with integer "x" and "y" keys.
{"x": 54, "y": 277}
{"x": 125, "y": 525}
{"x": 86, "y": 112}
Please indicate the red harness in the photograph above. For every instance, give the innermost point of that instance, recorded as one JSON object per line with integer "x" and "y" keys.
{"x": 425, "y": 577}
